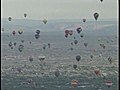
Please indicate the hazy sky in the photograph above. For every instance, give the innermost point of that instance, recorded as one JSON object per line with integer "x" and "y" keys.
{"x": 59, "y": 9}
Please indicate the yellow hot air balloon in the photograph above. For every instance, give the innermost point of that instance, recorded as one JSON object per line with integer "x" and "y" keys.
{"x": 44, "y": 21}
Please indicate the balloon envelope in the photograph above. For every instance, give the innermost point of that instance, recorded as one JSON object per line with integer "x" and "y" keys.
{"x": 75, "y": 42}
{"x": 37, "y": 36}
{"x": 84, "y": 20}
{"x": 38, "y": 31}
{"x": 25, "y": 15}
{"x": 74, "y": 66}
{"x": 44, "y": 21}
{"x": 96, "y": 15}
{"x": 9, "y": 18}
{"x": 20, "y": 48}
{"x": 74, "y": 83}
{"x": 57, "y": 73}
{"x": 78, "y": 58}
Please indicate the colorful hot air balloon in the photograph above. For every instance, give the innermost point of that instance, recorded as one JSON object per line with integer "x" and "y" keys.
{"x": 66, "y": 31}
{"x": 70, "y": 32}
{"x": 79, "y": 29}
{"x": 108, "y": 83}
{"x": 74, "y": 83}
{"x": 97, "y": 71}
{"x": 44, "y": 21}
{"x": 41, "y": 58}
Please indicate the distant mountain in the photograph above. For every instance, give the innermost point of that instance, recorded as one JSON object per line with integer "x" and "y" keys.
{"x": 89, "y": 27}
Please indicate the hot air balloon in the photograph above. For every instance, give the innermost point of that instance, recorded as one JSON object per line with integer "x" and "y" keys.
{"x": 44, "y": 21}
{"x": 74, "y": 37}
{"x": 10, "y": 44}
{"x": 70, "y": 32}
{"x": 30, "y": 42}
{"x": 107, "y": 41}
{"x": 20, "y": 48}
{"x": 66, "y": 35}
{"x": 19, "y": 69}
{"x": 11, "y": 47}
{"x": 74, "y": 66}
{"x": 31, "y": 58}
{"x": 15, "y": 43}
{"x": 44, "y": 46}
{"x": 108, "y": 83}
{"x": 78, "y": 57}
{"x": 103, "y": 46}
{"x": 85, "y": 44}
{"x": 9, "y": 18}
{"x": 97, "y": 71}
{"x": 38, "y": 31}
{"x": 41, "y": 58}
{"x": 20, "y": 32}
{"x": 71, "y": 43}
{"x": 110, "y": 60}
{"x": 84, "y": 20}
{"x": 13, "y": 32}
{"x": 3, "y": 29}
{"x": 30, "y": 81}
{"x": 101, "y": 0}
{"x": 74, "y": 83}
{"x": 37, "y": 36}
{"x": 75, "y": 42}
{"x": 22, "y": 41}
{"x": 82, "y": 35}
{"x": 66, "y": 31}
{"x": 96, "y": 15}
{"x": 25, "y": 15}
{"x": 71, "y": 48}
{"x": 91, "y": 56}
{"x": 79, "y": 29}
{"x": 57, "y": 73}
{"x": 48, "y": 45}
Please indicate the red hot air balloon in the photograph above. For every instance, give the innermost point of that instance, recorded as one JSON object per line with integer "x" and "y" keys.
{"x": 74, "y": 83}
{"x": 108, "y": 83}
{"x": 97, "y": 72}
